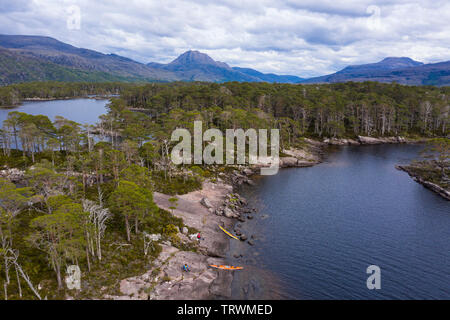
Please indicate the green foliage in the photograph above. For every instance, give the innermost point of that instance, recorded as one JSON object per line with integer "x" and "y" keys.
{"x": 132, "y": 202}
{"x": 61, "y": 235}
{"x": 175, "y": 185}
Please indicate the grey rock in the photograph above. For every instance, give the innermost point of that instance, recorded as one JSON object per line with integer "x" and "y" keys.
{"x": 251, "y": 182}
{"x": 205, "y": 202}
{"x": 228, "y": 213}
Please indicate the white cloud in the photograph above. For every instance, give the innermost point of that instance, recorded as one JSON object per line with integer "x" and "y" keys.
{"x": 302, "y": 37}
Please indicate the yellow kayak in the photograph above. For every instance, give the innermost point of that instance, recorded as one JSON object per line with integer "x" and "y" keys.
{"x": 226, "y": 267}
{"x": 234, "y": 237}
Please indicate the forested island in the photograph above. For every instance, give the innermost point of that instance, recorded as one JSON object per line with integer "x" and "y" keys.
{"x": 84, "y": 195}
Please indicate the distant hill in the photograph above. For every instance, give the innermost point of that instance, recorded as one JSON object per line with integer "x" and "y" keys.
{"x": 50, "y": 55}
{"x": 401, "y": 70}
{"x": 16, "y": 67}
{"x": 269, "y": 77}
{"x": 197, "y": 66}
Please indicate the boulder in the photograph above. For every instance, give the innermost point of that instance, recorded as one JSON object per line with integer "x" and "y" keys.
{"x": 353, "y": 142}
{"x": 368, "y": 140}
{"x": 206, "y": 203}
{"x": 227, "y": 212}
{"x": 288, "y": 162}
{"x": 250, "y": 182}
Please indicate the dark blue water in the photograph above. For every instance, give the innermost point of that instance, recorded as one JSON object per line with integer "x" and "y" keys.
{"x": 83, "y": 111}
{"x": 326, "y": 224}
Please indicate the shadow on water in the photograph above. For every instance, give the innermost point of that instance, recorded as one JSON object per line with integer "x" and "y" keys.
{"x": 317, "y": 230}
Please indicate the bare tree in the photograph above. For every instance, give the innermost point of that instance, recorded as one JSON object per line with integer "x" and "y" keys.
{"x": 98, "y": 217}
{"x": 11, "y": 258}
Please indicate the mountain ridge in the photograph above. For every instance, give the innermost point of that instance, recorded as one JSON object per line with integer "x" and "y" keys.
{"x": 35, "y": 58}
{"x": 402, "y": 70}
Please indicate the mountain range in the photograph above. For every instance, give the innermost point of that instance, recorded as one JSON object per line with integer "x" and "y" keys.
{"x": 401, "y": 70}
{"x": 36, "y": 58}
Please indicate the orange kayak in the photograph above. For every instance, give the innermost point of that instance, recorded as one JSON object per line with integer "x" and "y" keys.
{"x": 226, "y": 267}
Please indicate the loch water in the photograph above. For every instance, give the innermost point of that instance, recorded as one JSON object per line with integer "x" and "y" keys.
{"x": 83, "y": 110}
{"x": 318, "y": 229}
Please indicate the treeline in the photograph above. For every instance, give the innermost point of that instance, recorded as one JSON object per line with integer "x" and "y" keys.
{"x": 328, "y": 110}
{"x": 12, "y": 95}
{"x": 332, "y": 110}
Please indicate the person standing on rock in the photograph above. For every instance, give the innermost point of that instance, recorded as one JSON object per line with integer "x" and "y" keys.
{"x": 199, "y": 237}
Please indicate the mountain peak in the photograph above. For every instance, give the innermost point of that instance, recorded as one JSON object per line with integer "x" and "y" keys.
{"x": 194, "y": 57}
{"x": 400, "y": 62}
{"x": 389, "y": 63}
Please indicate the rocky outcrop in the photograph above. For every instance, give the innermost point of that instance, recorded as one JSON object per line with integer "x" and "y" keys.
{"x": 170, "y": 282}
{"x": 166, "y": 279}
{"x": 427, "y": 184}
{"x": 341, "y": 142}
{"x": 14, "y": 175}
{"x": 380, "y": 140}
{"x": 364, "y": 140}
{"x": 205, "y": 202}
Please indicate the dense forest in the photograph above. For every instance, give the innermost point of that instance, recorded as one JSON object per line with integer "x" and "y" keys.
{"x": 83, "y": 194}
{"x": 332, "y": 110}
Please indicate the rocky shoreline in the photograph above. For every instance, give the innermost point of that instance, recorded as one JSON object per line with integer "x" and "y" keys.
{"x": 427, "y": 184}
{"x": 363, "y": 140}
{"x": 215, "y": 204}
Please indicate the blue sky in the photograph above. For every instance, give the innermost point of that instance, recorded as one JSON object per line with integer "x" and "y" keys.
{"x": 301, "y": 37}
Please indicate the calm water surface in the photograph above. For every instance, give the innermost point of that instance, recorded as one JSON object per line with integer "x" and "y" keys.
{"x": 84, "y": 111}
{"x": 319, "y": 228}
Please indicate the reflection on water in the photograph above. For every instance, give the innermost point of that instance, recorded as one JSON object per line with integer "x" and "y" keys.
{"x": 319, "y": 228}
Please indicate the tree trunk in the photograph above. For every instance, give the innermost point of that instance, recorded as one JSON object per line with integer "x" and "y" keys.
{"x": 127, "y": 226}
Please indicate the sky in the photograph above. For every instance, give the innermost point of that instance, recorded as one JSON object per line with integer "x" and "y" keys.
{"x": 300, "y": 37}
